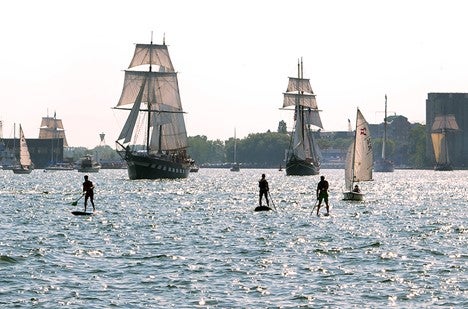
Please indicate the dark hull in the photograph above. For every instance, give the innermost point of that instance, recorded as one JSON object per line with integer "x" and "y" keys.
{"x": 21, "y": 171}
{"x": 150, "y": 167}
{"x": 443, "y": 167}
{"x": 383, "y": 166}
{"x": 296, "y": 167}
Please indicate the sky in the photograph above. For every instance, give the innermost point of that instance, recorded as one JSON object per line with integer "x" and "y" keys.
{"x": 233, "y": 58}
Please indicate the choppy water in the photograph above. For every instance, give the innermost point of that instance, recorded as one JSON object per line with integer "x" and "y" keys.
{"x": 197, "y": 242}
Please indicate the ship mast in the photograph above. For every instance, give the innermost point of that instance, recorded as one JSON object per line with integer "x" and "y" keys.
{"x": 149, "y": 99}
{"x": 385, "y": 130}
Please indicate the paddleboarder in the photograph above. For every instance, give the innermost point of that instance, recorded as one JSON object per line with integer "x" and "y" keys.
{"x": 88, "y": 190}
{"x": 322, "y": 194}
{"x": 263, "y": 185}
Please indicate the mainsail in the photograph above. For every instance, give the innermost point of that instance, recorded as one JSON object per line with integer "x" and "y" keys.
{"x": 440, "y": 128}
{"x": 359, "y": 160}
{"x": 25, "y": 158}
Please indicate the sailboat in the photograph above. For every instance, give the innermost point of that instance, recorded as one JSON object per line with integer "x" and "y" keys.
{"x": 25, "y": 165}
{"x": 439, "y": 132}
{"x": 235, "y": 167}
{"x": 303, "y": 155}
{"x": 359, "y": 159}
{"x": 153, "y": 98}
{"x": 383, "y": 164}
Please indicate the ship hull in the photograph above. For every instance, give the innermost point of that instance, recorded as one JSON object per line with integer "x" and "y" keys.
{"x": 443, "y": 167}
{"x": 149, "y": 167}
{"x": 383, "y": 166}
{"x": 296, "y": 167}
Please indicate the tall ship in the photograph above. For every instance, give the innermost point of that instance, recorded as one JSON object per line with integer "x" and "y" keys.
{"x": 53, "y": 130}
{"x": 303, "y": 154}
{"x": 383, "y": 164}
{"x": 440, "y": 132}
{"x": 151, "y": 95}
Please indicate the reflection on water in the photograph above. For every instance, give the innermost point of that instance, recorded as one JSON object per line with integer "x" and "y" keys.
{"x": 196, "y": 242}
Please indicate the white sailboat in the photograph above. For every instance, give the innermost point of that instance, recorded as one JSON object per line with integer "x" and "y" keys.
{"x": 359, "y": 159}
{"x": 440, "y": 129}
{"x": 235, "y": 167}
{"x": 383, "y": 164}
{"x": 303, "y": 156}
{"x": 25, "y": 165}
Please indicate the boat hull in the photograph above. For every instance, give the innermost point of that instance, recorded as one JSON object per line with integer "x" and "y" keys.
{"x": 296, "y": 167}
{"x": 385, "y": 166}
{"x": 21, "y": 171}
{"x": 353, "y": 196}
{"x": 149, "y": 167}
{"x": 443, "y": 167}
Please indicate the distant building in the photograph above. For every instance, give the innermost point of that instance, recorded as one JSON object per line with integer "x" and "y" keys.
{"x": 443, "y": 104}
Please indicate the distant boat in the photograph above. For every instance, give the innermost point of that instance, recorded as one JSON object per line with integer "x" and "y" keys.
{"x": 25, "y": 165}
{"x": 383, "y": 164}
{"x": 194, "y": 167}
{"x": 303, "y": 155}
{"x": 160, "y": 150}
{"x": 442, "y": 126}
{"x": 87, "y": 164}
{"x": 52, "y": 128}
{"x": 235, "y": 167}
{"x": 359, "y": 159}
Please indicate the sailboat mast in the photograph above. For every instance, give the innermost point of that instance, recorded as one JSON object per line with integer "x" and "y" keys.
{"x": 385, "y": 130}
{"x": 235, "y": 146}
{"x": 148, "y": 127}
{"x": 354, "y": 152}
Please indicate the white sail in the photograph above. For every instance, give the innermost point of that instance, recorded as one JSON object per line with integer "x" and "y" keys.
{"x": 349, "y": 167}
{"x": 302, "y": 99}
{"x": 25, "y": 158}
{"x": 153, "y": 54}
{"x": 359, "y": 166}
{"x": 301, "y": 85}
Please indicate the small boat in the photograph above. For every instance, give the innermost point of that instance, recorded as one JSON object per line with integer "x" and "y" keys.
{"x": 88, "y": 165}
{"x": 441, "y": 128}
{"x": 303, "y": 155}
{"x": 383, "y": 164}
{"x": 194, "y": 167}
{"x": 235, "y": 167}
{"x": 59, "y": 166}
{"x": 359, "y": 159}
{"x": 153, "y": 98}
{"x": 25, "y": 165}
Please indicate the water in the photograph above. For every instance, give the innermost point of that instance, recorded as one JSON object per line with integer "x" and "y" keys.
{"x": 197, "y": 242}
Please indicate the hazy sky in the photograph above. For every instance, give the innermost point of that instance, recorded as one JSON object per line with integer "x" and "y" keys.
{"x": 233, "y": 59}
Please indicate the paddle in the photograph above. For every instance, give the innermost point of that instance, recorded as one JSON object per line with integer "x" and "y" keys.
{"x": 76, "y": 202}
{"x": 316, "y": 204}
{"x": 273, "y": 203}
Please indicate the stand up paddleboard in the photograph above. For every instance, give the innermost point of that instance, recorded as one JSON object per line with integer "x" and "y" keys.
{"x": 81, "y": 213}
{"x": 262, "y": 208}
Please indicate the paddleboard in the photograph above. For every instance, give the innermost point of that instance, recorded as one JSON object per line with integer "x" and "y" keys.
{"x": 262, "y": 208}
{"x": 81, "y": 213}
